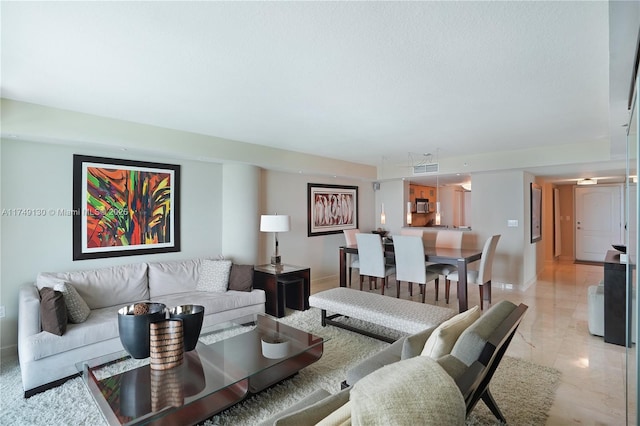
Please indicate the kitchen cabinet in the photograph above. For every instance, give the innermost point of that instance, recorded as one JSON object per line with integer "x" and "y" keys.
{"x": 421, "y": 192}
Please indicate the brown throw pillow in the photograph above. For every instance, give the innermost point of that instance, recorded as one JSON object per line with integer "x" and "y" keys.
{"x": 53, "y": 311}
{"x": 241, "y": 277}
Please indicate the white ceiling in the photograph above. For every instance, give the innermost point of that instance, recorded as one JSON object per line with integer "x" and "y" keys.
{"x": 358, "y": 81}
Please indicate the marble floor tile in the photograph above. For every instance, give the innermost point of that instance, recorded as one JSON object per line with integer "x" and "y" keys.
{"x": 555, "y": 333}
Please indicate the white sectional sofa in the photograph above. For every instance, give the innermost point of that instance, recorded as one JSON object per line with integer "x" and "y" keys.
{"x": 47, "y": 359}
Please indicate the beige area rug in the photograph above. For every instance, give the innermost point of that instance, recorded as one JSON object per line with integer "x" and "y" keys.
{"x": 524, "y": 391}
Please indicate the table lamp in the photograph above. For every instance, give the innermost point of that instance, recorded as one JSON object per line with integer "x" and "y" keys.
{"x": 275, "y": 223}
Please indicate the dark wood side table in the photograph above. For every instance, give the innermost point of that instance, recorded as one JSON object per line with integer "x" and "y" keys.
{"x": 285, "y": 286}
{"x": 617, "y": 329}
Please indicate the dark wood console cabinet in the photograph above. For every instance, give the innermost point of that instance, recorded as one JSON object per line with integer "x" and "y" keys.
{"x": 616, "y": 328}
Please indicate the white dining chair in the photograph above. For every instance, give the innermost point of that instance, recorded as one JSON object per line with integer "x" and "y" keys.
{"x": 446, "y": 239}
{"x": 410, "y": 264}
{"x": 481, "y": 277}
{"x": 372, "y": 259}
{"x": 352, "y": 259}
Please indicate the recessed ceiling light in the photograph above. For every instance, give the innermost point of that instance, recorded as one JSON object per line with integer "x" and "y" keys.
{"x": 588, "y": 181}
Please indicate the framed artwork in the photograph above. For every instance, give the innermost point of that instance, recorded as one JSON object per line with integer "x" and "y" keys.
{"x": 124, "y": 207}
{"x": 536, "y": 213}
{"x": 332, "y": 208}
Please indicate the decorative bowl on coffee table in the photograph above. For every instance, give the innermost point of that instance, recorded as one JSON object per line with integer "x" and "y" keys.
{"x": 133, "y": 326}
{"x": 192, "y": 317}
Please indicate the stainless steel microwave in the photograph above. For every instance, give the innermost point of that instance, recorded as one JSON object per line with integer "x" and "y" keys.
{"x": 423, "y": 206}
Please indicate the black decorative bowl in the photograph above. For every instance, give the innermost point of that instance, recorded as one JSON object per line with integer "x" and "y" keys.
{"x": 622, "y": 249}
{"x": 191, "y": 316}
{"x": 134, "y": 329}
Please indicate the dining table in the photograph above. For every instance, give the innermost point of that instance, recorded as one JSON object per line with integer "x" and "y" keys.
{"x": 458, "y": 257}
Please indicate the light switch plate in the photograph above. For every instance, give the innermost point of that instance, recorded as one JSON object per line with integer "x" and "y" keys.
{"x": 512, "y": 223}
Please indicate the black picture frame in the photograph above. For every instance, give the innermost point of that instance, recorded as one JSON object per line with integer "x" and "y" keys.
{"x": 124, "y": 207}
{"x": 331, "y": 208}
{"x": 536, "y": 212}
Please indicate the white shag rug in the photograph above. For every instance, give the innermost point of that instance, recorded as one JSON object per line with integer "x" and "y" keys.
{"x": 524, "y": 391}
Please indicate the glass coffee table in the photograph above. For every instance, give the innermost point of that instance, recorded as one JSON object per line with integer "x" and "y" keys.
{"x": 211, "y": 378}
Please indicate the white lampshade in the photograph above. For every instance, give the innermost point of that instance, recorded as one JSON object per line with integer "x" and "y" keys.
{"x": 275, "y": 223}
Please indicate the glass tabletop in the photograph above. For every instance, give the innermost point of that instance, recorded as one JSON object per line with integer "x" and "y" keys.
{"x": 226, "y": 365}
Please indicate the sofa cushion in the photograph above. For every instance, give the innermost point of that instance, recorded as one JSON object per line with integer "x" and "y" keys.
{"x": 214, "y": 275}
{"x": 241, "y": 277}
{"x": 341, "y": 416}
{"x": 452, "y": 365}
{"x": 414, "y": 343}
{"x": 173, "y": 277}
{"x": 409, "y": 392}
{"x": 101, "y": 325}
{"x": 213, "y": 301}
{"x": 77, "y": 309}
{"x": 376, "y": 361}
{"x": 471, "y": 342}
{"x": 118, "y": 285}
{"x": 315, "y": 412}
{"x": 53, "y": 311}
{"x": 445, "y": 335}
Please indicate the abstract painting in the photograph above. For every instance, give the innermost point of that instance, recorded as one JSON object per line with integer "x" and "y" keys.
{"x": 124, "y": 207}
{"x": 331, "y": 208}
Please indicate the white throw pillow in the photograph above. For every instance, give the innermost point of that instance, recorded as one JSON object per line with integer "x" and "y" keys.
{"x": 214, "y": 275}
{"x": 77, "y": 309}
{"x": 415, "y": 391}
{"x": 446, "y": 334}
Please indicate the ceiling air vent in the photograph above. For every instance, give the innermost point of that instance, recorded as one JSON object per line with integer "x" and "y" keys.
{"x": 425, "y": 168}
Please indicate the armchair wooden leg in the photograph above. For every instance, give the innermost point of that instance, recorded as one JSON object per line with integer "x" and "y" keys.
{"x": 361, "y": 281}
{"x": 350, "y": 271}
{"x": 491, "y": 403}
{"x": 423, "y": 287}
{"x": 411, "y": 289}
{"x": 437, "y": 282}
{"x": 488, "y": 292}
{"x": 384, "y": 284}
{"x": 397, "y": 289}
{"x": 447, "y": 288}
{"x": 481, "y": 287}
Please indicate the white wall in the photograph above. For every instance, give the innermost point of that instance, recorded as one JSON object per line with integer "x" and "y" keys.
{"x": 496, "y": 198}
{"x": 391, "y": 193}
{"x": 240, "y": 206}
{"x": 36, "y": 175}
{"x": 286, "y": 193}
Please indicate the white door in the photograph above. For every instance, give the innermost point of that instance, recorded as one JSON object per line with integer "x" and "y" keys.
{"x": 598, "y": 220}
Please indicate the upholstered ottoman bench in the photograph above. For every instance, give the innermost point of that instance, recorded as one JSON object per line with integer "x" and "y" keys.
{"x": 398, "y": 314}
